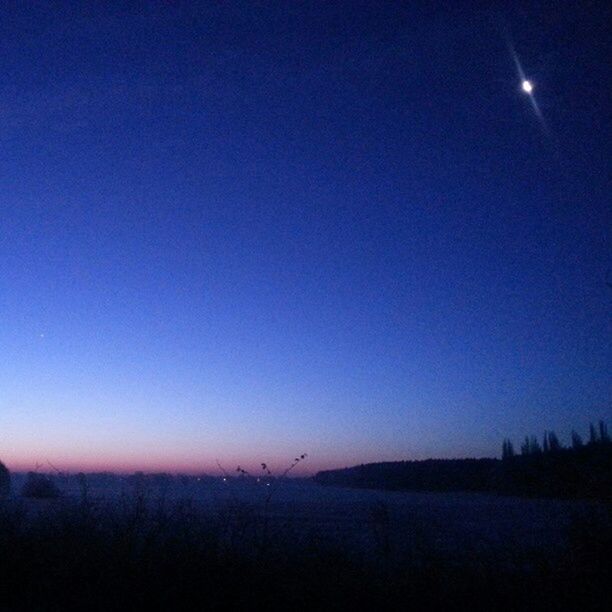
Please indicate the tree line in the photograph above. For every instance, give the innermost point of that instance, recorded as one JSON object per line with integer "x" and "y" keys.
{"x": 598, "y": 437}
{"x": 548, "y": 468}
{"x": 543, "y": 468}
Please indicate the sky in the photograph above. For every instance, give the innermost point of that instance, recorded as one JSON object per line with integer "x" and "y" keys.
{"x": 243, "y": 231}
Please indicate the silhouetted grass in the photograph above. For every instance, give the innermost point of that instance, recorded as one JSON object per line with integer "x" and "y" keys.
{"x": 140, "y": 554}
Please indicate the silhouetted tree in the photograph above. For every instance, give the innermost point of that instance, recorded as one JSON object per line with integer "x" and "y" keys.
{"x": 507, "y": 450}
{"x": 83, "y": 487}
{"x": 553, "y": 442}
{"x": 592, "y": 434}
{"x": 525, "y": 448}
{"x": 576, "y": 440}
{"x": 534, "y": 446}
{"x": 604, "y": 438}
{"x": 5, "y": 480}
{"x": 545, "y": 446}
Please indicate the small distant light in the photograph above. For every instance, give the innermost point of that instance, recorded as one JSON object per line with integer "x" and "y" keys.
{"x": 225, "y": 479}
{"x": 527, "y": 86}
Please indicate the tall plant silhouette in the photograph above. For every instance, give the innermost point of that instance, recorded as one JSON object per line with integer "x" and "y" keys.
{"x": 268, "y": 481}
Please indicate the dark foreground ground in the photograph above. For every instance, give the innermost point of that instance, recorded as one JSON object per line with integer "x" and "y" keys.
{"x": 142, "y": 549}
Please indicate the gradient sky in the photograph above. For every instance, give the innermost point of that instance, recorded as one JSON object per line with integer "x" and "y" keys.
{"x": 248, "y": 230}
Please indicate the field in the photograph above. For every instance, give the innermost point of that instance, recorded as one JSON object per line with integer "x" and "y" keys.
{"x": 195, "y": 543}
{"x": 455, "y": 524}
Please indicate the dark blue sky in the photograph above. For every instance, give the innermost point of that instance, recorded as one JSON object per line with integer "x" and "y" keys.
{"x": 247, "y": 230}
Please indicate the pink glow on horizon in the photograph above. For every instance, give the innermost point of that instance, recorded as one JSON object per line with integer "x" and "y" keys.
{"x": 126, "y": 466}
{"x": 26, "y": 452}
{"x": 48, "y": 457}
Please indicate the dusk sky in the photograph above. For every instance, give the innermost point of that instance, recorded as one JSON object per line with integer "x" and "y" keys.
{"x": 248, "y": 230}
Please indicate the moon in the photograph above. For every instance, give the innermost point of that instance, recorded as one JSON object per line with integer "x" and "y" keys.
{"x": 527, "y": 86}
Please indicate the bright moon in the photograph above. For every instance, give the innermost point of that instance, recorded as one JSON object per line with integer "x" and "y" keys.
{"x": 527, "y": 86}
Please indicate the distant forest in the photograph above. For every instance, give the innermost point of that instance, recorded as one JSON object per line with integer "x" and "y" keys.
{"x": 541, "y": 469}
